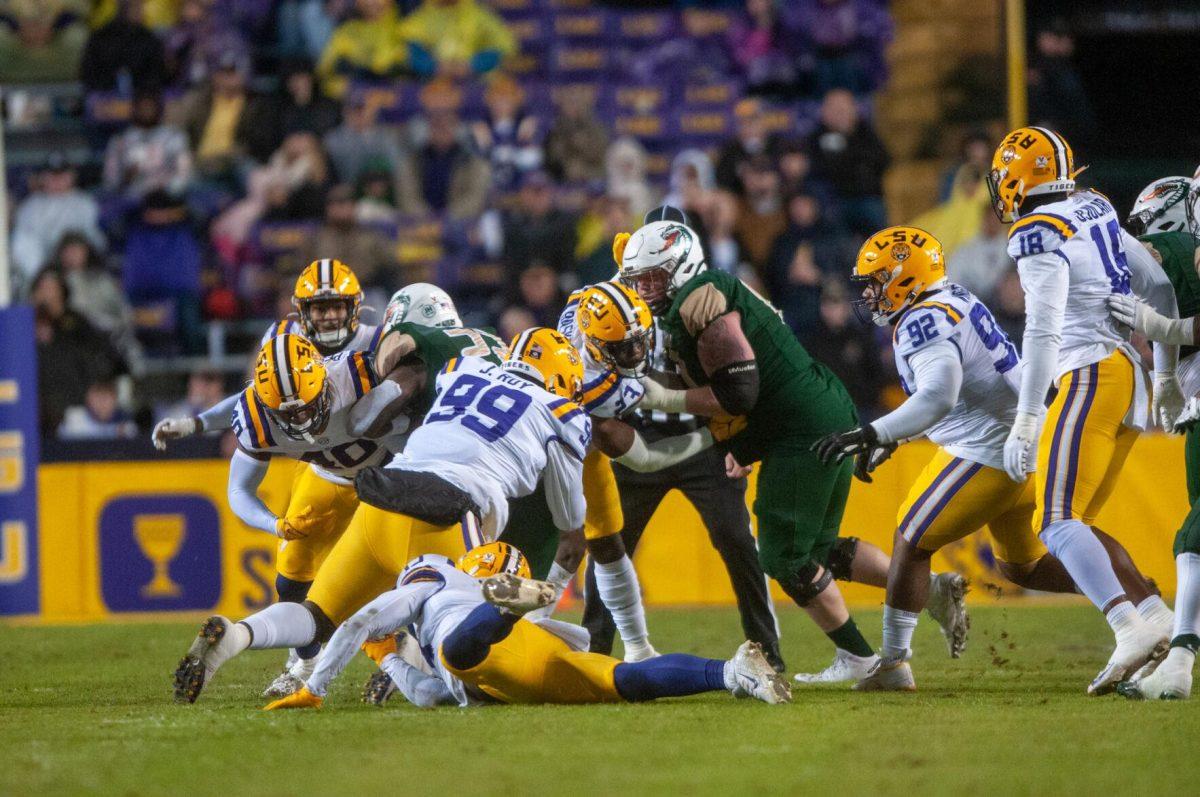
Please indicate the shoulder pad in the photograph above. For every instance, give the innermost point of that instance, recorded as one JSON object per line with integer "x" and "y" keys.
{"x": 1039, "y": 232}
{"x": 577, "y": 426}
{"x": 425, "y": 568}
{"x": 923, "y": 324}
{"x": 278, "y": 328}
{"x": 250, "y": 423}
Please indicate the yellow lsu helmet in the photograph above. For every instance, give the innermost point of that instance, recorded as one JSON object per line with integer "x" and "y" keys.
{"x": 290, "y": 381}
{"x": 617, "y": 327}
{"x": 493, "y": 558}
{"x": 895, "y": 266}
{"x": 1028, "y": 162}
{"x": 546, "y": 357}
{"x": 328, "y": 281}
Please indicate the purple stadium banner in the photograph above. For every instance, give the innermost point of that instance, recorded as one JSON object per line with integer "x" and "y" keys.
{"x": 19, "y": 451}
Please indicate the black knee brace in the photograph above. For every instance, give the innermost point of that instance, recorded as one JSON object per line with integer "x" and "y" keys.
{"x": 841, "y": 557}
{"x": 806, "y": 585}
{"x": 325, "y": 626}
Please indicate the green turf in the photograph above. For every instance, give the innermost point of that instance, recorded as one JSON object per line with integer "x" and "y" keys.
{"x": 87, "y": 710}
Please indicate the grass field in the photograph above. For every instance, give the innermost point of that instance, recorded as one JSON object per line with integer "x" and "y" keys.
{"x": 88, "y": 710}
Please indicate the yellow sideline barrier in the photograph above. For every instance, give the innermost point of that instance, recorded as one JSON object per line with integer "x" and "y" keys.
{"x": 126, "y": 539}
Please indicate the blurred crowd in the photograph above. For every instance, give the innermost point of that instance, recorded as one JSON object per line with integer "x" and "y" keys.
{"x": 493, "y": 148}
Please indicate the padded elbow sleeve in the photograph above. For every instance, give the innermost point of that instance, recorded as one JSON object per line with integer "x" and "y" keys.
{"x": 736, "y": 386}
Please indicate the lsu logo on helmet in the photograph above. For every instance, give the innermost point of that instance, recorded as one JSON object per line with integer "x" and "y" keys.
{"x": 291, "y": 382}
{"x": 1028, "y": 162}
{"x": 493, "y": 558}
{"x": 895, "y": 266}
{"x": 617, "y": 327}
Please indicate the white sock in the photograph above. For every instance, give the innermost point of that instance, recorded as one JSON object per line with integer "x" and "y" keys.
{"x": 617, "y": 583}
{"x": 1122, "y": 616}
{"x": 1187, "y": 594}
{"x": 281, "y": 625}
{"x": 1086, "y": 560}
{"x": 1155, "y": 610}
{"x": 898, "y": 627}
{"x": 730, "y": 678}
{"x": 1180, "y": 658}
{"x": 303, "y": 668}
{"x": 561, "y": 578}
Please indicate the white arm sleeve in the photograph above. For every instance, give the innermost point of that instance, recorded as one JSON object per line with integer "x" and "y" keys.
{"x": 646, "y": 457}
{"x": 420, "y": 689}
{"x": 1150, "y": 283}
{"x": 564, "y": 487}
{"x": 219, "y": 417}
{"x": 1045, "y": 279}
{"x": 937, "y": 369}
{"x": 245, "y": 475}
{"x": 389, "y": 612}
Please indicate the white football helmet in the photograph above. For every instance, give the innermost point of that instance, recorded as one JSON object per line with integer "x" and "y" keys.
{"x": 423, "y": 304}
{"x": 662, "y": 245}
{"x": 1161, "y": 206}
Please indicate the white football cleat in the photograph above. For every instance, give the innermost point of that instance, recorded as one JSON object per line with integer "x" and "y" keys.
{"x": 948, "y": 609}
{"x": 219, "y": 641}
{"x": 293, "y": 678}
{"x": 755, "y": 677}
{"x": 640, "y": 652}
{"x": 1137, "y": 644}
{"x": 845, "y": 667}
{"x": 888, "y": 676}
{"x": 1171, "y": 680}
{"x": 517, "y": 595}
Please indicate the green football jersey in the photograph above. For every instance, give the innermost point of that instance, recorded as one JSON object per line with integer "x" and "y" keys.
{"x": 436, "y": 346}
{"x": 798, "y": 396}
{"x": 1176, "y": 253}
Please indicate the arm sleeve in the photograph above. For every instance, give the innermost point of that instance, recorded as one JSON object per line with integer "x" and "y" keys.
{"x": 646, "y": 457}
{"x": 1045, "y": 279}
{"x": 389, "y": 612}
{"x": 420, "y": 689}
{"x": 245, "y": 475}
{"x": 1150, "y": 283}
{"x": 938, "y": 373}
{"x": 564, "y": 486}
{"x": 219, "y": 417}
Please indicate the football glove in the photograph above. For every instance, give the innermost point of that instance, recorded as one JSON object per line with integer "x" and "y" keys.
{"x": 724, "y": 427}
{"x": 834, "y": 448}
{"x": 1141, "y": 317}
{"x": 1020, "y": 449}
{"x": 301, "y": 699}
{"x": 379, "y": 649}
{"x": 1167, "y": 403}
{"x": 866, "y": 462}
{"x": 303, "y": 523}
{"x": 174, "y": 429}
{"x": 619, "y": 242}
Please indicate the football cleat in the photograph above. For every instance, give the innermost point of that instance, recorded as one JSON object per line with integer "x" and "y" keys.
{"x": 517, "y": 595}
{"x": 755, "y": 677}
{"x": 1137, "y": 645}
{"x": 284, "y": 684}
{"x": 948, "y": 609}
{"x": 844, "y": 667}
{"x": 1171, "y": 680}
{"x": 888, "y": 676}
{"x": 301, "y": 699}
{"x": 213, "y": 646}
{"x": 378, "y": 689}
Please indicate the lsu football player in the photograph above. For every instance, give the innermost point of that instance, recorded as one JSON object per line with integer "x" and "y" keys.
{"x": 492, "y": 433}
{"x": 327, "y": 298}
{"x": 1071, "y": 256}
{"x": 470, "y": 619}
{"x": 961, "y": 373}
{"x": 1165, "y": 219}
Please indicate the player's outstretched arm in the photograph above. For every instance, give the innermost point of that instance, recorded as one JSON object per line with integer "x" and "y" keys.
{"x": 246, "y": 473}
{"x": 1150, "y": 282}
{"x": 418, "y": 688}
{"x": 218, "y": 418}
{"x": 728, "y": 359}
{"x": 622, "y": 442}
{"x": 372, "y": 415}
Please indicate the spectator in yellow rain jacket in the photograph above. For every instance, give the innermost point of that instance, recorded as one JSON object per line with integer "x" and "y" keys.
{"x": 363, "y": 47}
{"x": 454, "y": 38}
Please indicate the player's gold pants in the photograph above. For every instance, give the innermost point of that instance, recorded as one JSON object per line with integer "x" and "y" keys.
{"x": 531, "y": 665}
{"x": 604, "y": 517}
{"x": 954, "y": 497}
{"x": 1084, "y": 441}
{"x": 368, "y": 558}
{"x": 334, "y": 504}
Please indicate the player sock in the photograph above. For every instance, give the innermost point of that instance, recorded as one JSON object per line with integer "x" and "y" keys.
{"x": 672, "y": 675}
{"x": 617, "y": 583}
{"x": 898, "y": 627}
{"x": 292, "y": 591}
{"x": 1086, "y": 560}
{"x": 561, "y": 578}
{"x": 1153, "y": 609}
{"x": 1187, "y": 595}
{"x": 1122, "y": 615}
{"x": 281, "y": 625}
{"x": 850, "y": 639}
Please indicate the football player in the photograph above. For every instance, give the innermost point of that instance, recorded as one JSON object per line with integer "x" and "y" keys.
{"x": 1071, "y": 256}
{"x": 1165, "y": 220}
{"x": 492, "y": 433}
{"x": 742, "y": 359}
{"x": 480, "y": 648}
{"x": 961, "y": 373}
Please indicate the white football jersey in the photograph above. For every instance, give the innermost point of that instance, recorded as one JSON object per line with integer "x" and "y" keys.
{"x": 365, "y": 338}
{"x": 334, "y": 454}
{"x": 494, "y": 435}
{"x": 1084, "y": 231}
{"x": 606, "y": 394}
{"x": 978, "y": 425}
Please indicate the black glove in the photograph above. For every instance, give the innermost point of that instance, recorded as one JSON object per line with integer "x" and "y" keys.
{"x": 834, "y": 448}
{"x": 867, "y": 461}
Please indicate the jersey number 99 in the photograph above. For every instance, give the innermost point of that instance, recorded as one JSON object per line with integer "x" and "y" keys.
{"x": 488, "y": 413}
